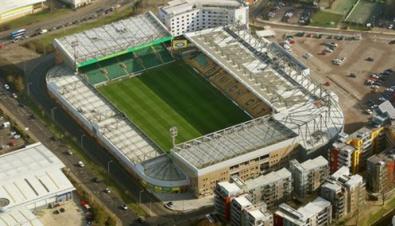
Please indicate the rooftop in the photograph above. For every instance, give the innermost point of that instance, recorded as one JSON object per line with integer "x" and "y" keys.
{"x": 117, "y": 131}
{"x": 29, "y": 174}
{"x": 8, "y": 5}
{"x": 267, "y": 179}
{"x": 229, "y": 188}
{"x": 301, "y": 215}
{"x": 232, "y": 142}
{"x": 243, "y": 201}
{"x": 112, "y": 39}
{"x": 19, "y": 217}
{"x": 180, "y": 6}
{"x": 313, "y": 163}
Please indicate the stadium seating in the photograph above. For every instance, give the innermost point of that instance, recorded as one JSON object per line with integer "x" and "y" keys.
{"x": 126, "y": 64}
{"x": 229, "y": 86}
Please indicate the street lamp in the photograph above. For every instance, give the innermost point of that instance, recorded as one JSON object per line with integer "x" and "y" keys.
{"x": 108, "y": 167}
{"x": 141, "y": 191}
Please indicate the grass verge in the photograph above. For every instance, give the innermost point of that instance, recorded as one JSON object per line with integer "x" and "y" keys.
{"x": 326, "y": 19}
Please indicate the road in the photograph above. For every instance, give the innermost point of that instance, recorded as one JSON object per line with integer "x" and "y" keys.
{"x": 35, "y": 77}
{"x": 68, "y": 18}
{"x": 290, "y": 27}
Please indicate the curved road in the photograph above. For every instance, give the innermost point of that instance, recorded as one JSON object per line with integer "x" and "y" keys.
{"x": 35, "y": 78}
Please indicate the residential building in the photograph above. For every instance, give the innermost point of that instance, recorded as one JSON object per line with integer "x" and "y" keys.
{"x": 30, "y": 178}
{"x": 181, "y": 16}
{"x": 244, "y": 213}
{"x": 381, "y": 172}
{"x": 308, "y": 176}
{"x": 346, "y": 192}
{"x": 13, "y": 9}
{"x": 224, "y": 193}
{"x": 272, "y": 188}
{"x": 315, "y": 213}
{"x": 353, "y": 150}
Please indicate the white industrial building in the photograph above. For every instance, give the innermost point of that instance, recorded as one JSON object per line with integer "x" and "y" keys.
{"x": 182, "y": 16}
{"x": 77, "y": 3}
{"x": 12, "y": 9}
{"x": 30, "y": 178}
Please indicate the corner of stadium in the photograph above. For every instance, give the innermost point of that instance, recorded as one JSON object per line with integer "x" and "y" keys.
{"x": 183, "y": 113}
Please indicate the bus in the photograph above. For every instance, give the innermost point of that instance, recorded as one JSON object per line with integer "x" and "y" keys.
{"x": 17, "y": 34}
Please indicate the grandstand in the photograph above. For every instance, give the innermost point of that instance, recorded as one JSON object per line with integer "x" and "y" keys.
{"x": 111, "y": 40}
{"x": 125, "y": 65}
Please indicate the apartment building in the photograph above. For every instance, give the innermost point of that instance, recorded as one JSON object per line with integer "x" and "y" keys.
{"x": 308, "y": 176}
{"x": 315, "y": 213}
{"x": 181, "y": 16}
{"x": 223, "y": 195}
{"x": 272, "y": 189}
{"x": 381, "y": 172}
{"x": 353, "y": 150}
{"x": 346, "y": 192}
{"x": 244, "y": 213}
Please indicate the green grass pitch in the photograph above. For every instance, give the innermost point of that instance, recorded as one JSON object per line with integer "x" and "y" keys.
{"x": 173, "y": 95}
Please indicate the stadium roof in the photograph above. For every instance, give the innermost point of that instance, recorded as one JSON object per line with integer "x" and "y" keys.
{"x": 277, "y": 78}
{"x": 113, "y": 39}
{"x": 30, "y": 174}
{"x": 99, "y": 115}
{"x": 8, "y": 5}
{"x": 232, "y": 142}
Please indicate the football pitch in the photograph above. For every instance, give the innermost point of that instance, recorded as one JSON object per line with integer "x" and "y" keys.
{"x": 173, "y": 95}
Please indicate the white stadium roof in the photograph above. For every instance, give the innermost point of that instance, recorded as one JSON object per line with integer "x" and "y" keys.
{"x": 232, "y": 142}
{"x": 113, "y": 38}
{"x": 280, "y": 80}
{"x": 116, "y": 130}
{"x": 30, "y": 174}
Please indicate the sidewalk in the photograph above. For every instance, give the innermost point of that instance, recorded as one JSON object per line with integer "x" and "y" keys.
{"x": 184, "y": 202}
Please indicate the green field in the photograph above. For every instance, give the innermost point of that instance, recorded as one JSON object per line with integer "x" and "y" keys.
{"x": 173, "y": 95}
{"x": 326, "y": 19}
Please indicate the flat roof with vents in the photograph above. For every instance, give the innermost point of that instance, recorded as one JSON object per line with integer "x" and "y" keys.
{"x": 29, "y": 175}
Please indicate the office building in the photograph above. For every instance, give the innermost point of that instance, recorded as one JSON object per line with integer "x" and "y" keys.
{"x": 181, "y": 16}
{"x": 315, "y": 213}
{"x": 77, "y": 3}
{"x": 308, "y": 176}
{"x": 346, "y": 192}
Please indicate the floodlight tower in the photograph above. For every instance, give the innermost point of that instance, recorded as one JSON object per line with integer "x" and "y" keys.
{"x": 74, "y": 44}
{"x": 173, "y": 133}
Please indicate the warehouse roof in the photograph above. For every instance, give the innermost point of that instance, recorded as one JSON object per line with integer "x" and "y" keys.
{"x": 8, "y": 5}
{"x": 19, "y": 217}
{"x": 29, "y": 174}
{"x": 112, "y": 39}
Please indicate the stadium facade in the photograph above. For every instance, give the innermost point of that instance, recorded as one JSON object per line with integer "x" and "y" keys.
{"x": 181, "y": 16}
{"x": 298, "y": 115}
{"x": 13, "y": 9}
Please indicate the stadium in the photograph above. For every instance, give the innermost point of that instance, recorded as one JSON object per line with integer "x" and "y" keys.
{"x": 226, "y": 105}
